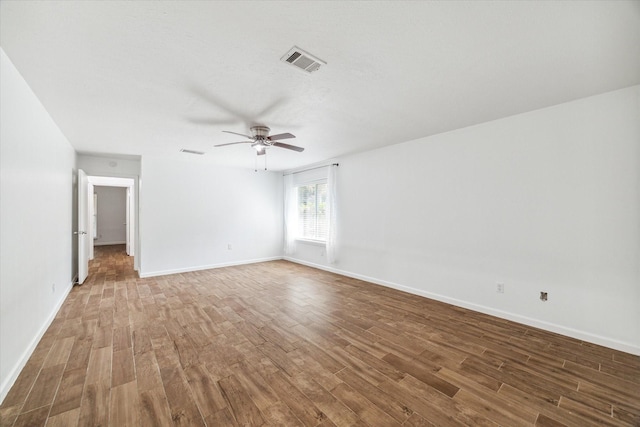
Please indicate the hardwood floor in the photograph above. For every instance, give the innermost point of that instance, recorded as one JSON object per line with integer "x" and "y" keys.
{"x": 281, "y": 344}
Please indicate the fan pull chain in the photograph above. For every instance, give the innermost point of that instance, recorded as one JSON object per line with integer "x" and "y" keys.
{"x": 256, "y": 167}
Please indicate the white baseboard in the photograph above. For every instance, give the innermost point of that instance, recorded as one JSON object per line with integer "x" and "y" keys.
{"x": 109, "y": 243}
{"x": 547, "y": 326}
{"x": 205, "y": 267}
{"x": 8, "y": 382}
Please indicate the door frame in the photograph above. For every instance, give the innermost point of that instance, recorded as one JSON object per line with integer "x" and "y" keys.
{"x": 129, "y": 184}
{"x": 83, "y": 236}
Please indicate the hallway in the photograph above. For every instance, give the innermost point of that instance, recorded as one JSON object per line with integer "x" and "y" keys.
{"x": 110, "y": 263}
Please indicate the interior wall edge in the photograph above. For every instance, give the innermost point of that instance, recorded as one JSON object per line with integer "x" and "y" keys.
{"x": 529, "y": 321}
{"x": 8, "y": 382}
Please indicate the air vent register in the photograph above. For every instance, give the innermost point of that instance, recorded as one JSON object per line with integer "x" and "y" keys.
{"x": 303, "y": 60}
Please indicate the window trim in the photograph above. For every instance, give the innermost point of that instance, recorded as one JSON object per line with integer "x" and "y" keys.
{"x": 311, "y": 241}
{"x": 300, "y": 238}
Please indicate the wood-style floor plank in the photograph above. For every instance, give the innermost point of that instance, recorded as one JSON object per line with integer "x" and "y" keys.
{"x": 278, "y": 344}
{"x": 125, "y": 405}
{"x": 64, "y": 419}
{"x": 44, "y": 389}
{"x": 94, "y": 409}
{"x": 34, "y": 418}
{"x": 154, "y": 408}
{"x": 69, "y": 394}
{"x": 243, "y": 408}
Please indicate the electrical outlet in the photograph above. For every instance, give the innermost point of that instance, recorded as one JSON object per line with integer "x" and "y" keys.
{"x": 229, "y": 247}
{"x": 53, "y": 288}
{"x": 500, "y": 288}
{"x": 543, "y": 296}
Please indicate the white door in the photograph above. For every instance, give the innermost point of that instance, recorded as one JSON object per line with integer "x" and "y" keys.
{"x": 91, "y": 214}
{"x": 83, "y": 226}
{"x": 128, "y": 221}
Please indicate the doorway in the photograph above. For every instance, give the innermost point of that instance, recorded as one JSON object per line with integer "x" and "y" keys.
{"x": 109, "y": 221}
{"x": 128, "y": 186}
{"x": 87, "y": 202}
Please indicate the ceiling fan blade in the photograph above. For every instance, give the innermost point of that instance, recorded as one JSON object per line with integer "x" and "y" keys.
{"x": 207, "y": 96}
{"x": 281, "y": 136}
{"x": 236, "y": 133}
{"x": 271, "y": 107}
{"x": 212, "y": 122}
{"x": 288, "y": 146}
{"x": 233, "y": 143}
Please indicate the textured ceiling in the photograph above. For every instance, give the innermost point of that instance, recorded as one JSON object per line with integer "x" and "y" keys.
{"x": 149, "y": 78}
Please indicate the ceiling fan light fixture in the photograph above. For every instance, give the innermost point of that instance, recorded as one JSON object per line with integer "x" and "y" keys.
{"x": 261, "y": 140}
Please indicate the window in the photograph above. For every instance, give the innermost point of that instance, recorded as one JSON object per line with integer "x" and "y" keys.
{"x": 312, "y": 213}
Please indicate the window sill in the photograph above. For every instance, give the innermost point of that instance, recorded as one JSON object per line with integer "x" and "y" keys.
{"x": 312, "y": 242}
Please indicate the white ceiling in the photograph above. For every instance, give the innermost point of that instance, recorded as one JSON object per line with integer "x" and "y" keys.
{"x": 136, "y": 78}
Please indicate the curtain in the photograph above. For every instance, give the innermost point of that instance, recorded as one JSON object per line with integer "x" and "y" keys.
{"x": 332, "y": 206}
{"x": 290, "y": 215}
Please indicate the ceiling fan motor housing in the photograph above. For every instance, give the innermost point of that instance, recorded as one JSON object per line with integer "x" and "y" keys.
{"x": 260, "y": 139}
{"x": 260, "y": 132}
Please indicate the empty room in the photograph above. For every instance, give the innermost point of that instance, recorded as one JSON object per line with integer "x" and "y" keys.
{"x": 319, "y": 213}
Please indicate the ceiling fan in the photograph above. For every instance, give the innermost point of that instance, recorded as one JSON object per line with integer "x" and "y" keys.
{"x": 261, "y": 140}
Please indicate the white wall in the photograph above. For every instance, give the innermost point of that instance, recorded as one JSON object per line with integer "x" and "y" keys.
{"x": 106, "y": 165}
{"x": 191, "y": 211}
{"x": 111, "y": 215}
{"x": 36, "y": 212}
{"x": 543, "y": 201}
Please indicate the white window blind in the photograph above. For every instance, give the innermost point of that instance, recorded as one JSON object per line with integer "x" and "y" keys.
{"x": 312, "y": 211}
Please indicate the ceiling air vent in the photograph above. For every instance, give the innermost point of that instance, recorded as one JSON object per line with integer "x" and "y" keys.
{"x": 303, "y": 60}
{"x": 185, "y": 150}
